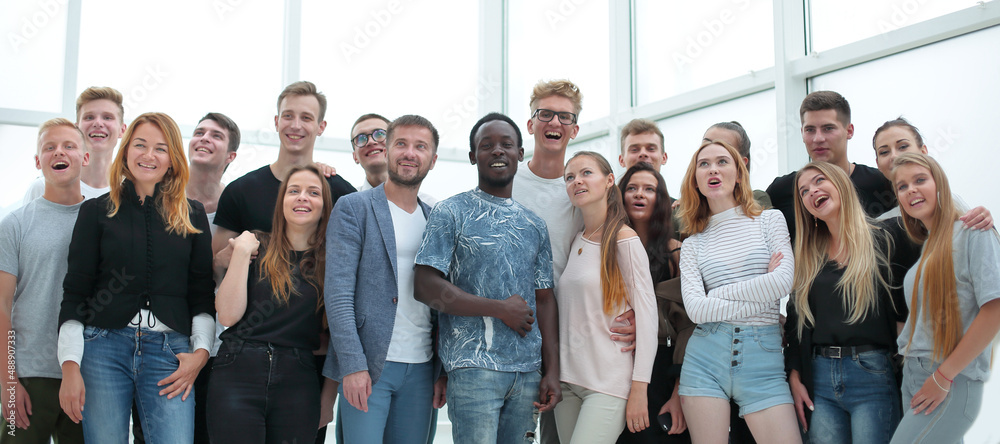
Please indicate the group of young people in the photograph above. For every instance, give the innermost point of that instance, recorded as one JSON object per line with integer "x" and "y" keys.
{"x": 551, "y": 295}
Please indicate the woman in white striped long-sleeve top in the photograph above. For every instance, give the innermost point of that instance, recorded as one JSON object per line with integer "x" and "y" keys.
{"x": 735, "y": 267}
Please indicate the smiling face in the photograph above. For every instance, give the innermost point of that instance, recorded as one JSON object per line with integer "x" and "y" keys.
{"x": 585, "y": 182}
{"x": 640, "y": 196}
{"x": 917, "y": 192}
{"x": 148, "y": 158}
{"x": 819, "y": 196}
{"x": 497, "y": 154}
{"x": 302, "y": 203}
{"x": 892, "y": 142}
{"x": 100, "y": 123}
{"x": 716, "y": 176}
{"x": 61, "y": 155}
{"x": 825, "y": 136}
{"x": 643, "y": 147}
{"x": 372, "y": 155}
{"x": 553, "y": 136}
{"x": 298, "y": 123}
{"x": 411, "y": 155}
{"x": 209, "y": 145}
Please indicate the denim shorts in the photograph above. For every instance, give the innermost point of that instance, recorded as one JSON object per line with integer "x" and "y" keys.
{"x": 741, "y": 362}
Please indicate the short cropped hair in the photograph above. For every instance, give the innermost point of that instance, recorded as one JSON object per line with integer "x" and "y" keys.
{"x": 368, "y": 117}
{"x": 824, "y": 100}
{"x": 227, "y": 124}
{"x": 489, "y": 118}
{"x": 304, "y": 88}
{"x": 413, "y": 120}
{"x": 641, "y": 126}
{"x": 59, "y": 121}
{"x": 563, "y": 88}
{"x": 101, "y": 93}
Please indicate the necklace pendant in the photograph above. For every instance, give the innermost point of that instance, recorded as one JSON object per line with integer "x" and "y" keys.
{"x": 580, "y": 251}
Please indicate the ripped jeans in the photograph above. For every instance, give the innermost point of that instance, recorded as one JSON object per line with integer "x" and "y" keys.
{"x": 487, "y": 407}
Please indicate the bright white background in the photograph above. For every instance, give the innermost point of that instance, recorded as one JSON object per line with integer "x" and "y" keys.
{"x": 686, "y": 65}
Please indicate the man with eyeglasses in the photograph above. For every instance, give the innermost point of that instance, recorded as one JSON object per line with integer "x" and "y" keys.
{"x": 368, "y": 141}
{"x": 555, "y": 107}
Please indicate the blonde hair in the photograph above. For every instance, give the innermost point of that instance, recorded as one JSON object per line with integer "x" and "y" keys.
{"x": 56, "y": 122}
{"x": 936, "y": 266}
{"x": 563, "y": 88}
{"x": 612, "y": 282}
{"x": 100, "y": 93}
{"x": 859, "y": 285}
{"x": 694, "y": 210}
{"x": 172, "y": 201}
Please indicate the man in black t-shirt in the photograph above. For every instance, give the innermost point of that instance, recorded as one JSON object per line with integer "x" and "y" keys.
{"x": 248, "y": 203}
{"x": 826, "y": 128}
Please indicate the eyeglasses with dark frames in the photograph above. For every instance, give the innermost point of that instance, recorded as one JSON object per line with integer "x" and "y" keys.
{"x": 362, "y": 139}
{"x": 546, "y": 115}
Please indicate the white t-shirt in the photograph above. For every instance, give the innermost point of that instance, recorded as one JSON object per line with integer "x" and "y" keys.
{"x": 411, "y": 334}
{"x": 37, "y": 189}
{"x": 547, "y": 198}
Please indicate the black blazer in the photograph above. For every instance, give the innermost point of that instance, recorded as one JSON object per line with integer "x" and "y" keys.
{"x": 120, "y": 264}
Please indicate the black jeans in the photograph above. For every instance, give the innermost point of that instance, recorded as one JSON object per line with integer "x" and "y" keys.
{"x": 261, "y": 393}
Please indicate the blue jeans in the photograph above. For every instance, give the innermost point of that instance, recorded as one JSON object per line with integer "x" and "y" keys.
{"x": 399, "y": 408}
{"x": 950, "y": 420}
{"x": 487, "y": 407}
{"x": 123, "y": 365}
{"x": 261, "y": 393}
{"x": 856, "y": 399}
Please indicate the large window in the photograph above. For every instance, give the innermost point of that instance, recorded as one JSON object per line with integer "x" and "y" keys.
{"x": 34, "y": 42}
{"x": 681, "y": 46}
{"x": 839, "y": 22}
{"x": 395, "y": 58}
{"x": 186, "y": 61}
{"x": 559, "y": 39}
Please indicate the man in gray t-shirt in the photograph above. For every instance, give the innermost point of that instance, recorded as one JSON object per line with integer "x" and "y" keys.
{"x": 34, "y": 244}
{"x": 486, "y": 263}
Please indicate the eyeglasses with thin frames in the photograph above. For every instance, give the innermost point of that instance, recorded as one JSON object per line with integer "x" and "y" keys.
{"x": 362, "y": 139}
{"x": 546, "y": 115}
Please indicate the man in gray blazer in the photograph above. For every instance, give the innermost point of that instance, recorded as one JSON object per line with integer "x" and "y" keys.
{"x": 381, "y": 346}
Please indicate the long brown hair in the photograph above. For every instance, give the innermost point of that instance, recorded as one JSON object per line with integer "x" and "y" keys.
{"x": 276, "y": 265}
{"x": 694, "y": 210}
{"x": 859, "y": 285}
{"x": 936, "y": 266}
{"x": 171, "y": 203}
{"x": 612, "y": 282}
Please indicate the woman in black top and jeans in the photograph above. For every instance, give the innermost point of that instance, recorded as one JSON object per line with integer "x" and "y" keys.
{"x": 844, "y": 316}
{"x": 136, "y": 321}
{"x": 263, "y": 387}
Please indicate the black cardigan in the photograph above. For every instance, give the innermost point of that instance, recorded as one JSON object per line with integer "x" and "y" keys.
{"x": 120, "y": 264}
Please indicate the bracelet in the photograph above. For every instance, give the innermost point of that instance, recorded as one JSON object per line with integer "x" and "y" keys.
{"x": 939, "y": 385}
{"x": 950, "y": 381}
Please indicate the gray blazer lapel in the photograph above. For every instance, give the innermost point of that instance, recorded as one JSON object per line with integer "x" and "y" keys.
{"x": 380, "y": 206}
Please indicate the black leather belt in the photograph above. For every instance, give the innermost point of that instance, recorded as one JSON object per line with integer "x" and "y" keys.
{"x": 843, "y": 352}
